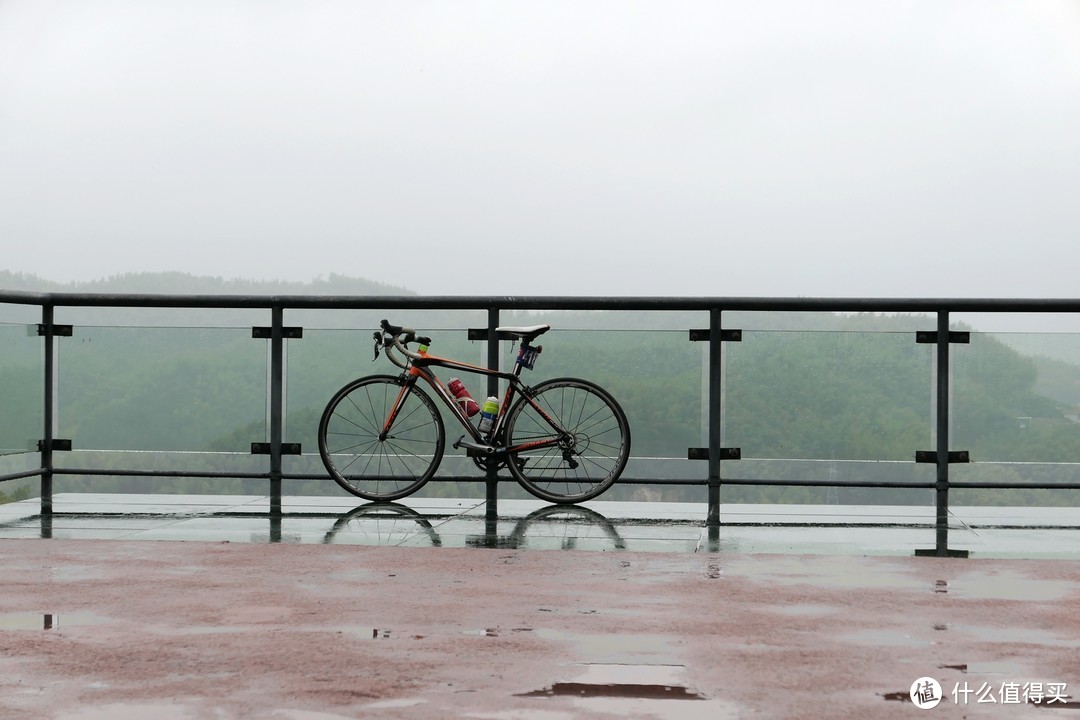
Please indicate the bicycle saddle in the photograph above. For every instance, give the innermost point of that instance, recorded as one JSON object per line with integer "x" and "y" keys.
{"x": 526, "y": 333}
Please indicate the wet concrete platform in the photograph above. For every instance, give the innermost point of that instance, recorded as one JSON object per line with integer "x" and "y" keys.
{"x": 598, "y": 525}
{"x": 355, "y": 614}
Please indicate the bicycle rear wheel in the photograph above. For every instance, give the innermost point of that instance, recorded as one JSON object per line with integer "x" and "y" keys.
{"x": 371, "y": 463}
{"x": 592, "y": 441}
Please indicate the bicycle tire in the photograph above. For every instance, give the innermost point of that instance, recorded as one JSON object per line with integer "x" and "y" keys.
{"x": 374, "y": 468}
{"x": 589, "y": 462}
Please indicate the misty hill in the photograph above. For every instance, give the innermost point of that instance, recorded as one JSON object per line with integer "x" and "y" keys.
{"x": 175, "y": 283}
{"x": 185, "y": 284}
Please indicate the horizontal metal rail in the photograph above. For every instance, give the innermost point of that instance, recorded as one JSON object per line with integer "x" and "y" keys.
{"x": 511, "y": 302}
{"x": 941, "y": 456}
{"x": 22, "y": 475}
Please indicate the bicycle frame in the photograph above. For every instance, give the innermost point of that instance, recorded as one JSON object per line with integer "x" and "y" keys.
{"x": 418, "y": 369}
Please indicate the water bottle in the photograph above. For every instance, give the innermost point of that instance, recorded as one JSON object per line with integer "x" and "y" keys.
{"x": 464, "y": 399}
{"x": 488, "y": 413}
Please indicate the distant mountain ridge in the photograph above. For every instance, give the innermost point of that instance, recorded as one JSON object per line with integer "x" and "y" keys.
{"x": 178, "y": 283}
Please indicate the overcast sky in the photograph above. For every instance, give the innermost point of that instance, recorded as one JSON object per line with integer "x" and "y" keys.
{"x": 900, "y": 149}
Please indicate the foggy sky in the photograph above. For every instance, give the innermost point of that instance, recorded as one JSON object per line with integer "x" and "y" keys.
{"x": 901, "y": 149}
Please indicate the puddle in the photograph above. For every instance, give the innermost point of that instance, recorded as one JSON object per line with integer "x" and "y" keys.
{"x": 649, "y": 648}
{"x": 623, "y": 690}
{"x": 884, "y": 638}
{"x": 126, "y": 711}
{"x": 1013, "y": 635}
{"x": 1011, "y": 586}
{"x": 1065, "y": 703}
{"x": 647, "y": 682}
{"x": 47, "y": 621}
{"x": 396, "y": 703}
{"x": 306, "y": 715}
{"x": 804, "y": 610}
{"x": 986, "y": 668}
{"x": 497, "y": 631}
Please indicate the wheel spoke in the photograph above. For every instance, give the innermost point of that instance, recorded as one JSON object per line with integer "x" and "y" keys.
{"x": 595, "y": 436}
{"x": 363, "y": 462}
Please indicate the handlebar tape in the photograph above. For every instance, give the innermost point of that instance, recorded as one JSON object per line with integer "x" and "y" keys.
{"x": 408, "y": 333}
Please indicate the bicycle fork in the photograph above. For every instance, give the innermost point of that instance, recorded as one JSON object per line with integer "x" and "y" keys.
{"x": 391, "y": 417}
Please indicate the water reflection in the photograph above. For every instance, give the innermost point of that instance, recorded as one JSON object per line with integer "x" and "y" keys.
{"x": 552, "y": 527}
{"x": 382, "y": 523}
{"x": 566, "y": 527}
{"x": 45, "y": 621}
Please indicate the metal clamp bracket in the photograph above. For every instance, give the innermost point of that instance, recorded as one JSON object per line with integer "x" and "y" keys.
{"x": 57, "y": 330}
{"x": 702, "y": 453}
{"x": 477, "y": 334}
{"x": 263, "y": 448}
{"x": 931, "y": 456}
{"x": 289, "y": 333}
{"x": 929, "y": 337}
{"x": 702, "y": 335}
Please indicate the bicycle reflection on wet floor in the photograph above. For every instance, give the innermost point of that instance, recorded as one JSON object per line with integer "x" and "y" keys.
{"x": 562, "y": 527}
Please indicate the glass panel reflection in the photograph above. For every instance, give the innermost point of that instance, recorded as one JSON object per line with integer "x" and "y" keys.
{"x": 185, "y": 389}
{"x": 21, "y": 388}
{"x": 655, "y": 375}
{"x": 1016, "y": 409}
{"x": 828, "y": 405}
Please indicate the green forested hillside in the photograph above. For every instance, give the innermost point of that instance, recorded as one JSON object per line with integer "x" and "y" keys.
{"x": 805, "y": 396}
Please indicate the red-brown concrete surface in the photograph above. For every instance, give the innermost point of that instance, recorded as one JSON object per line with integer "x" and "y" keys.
{"x": 313, "y": 632}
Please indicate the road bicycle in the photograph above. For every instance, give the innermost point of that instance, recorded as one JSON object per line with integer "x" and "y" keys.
{"x": 382, "y": 437}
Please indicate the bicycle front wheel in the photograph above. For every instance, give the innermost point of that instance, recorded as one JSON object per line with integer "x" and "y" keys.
{"x": 587, "y": 436}
{"x": 371, "y": 460}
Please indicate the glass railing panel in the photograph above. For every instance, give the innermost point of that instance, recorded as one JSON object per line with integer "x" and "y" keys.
{"x": 1016, "y": 410}
{"x": 830, "y": 406}
{"x": 656, "y": 376}
{"x": 336, "y": 348}
{"x": 813, "y": 321}
{"x": 127, "y": 394}
{"x": 21, "y": 388}
{"x": 163, "y": 317}
{"x": 22, "y": 399}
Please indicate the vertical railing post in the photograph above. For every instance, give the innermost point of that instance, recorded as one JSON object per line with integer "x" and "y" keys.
{"x": 277, "y": 381}
{"x": 941, "y": 456}
{"x": 942, "y": 431}
{"x": 492, "y": 483}
{"x": 715, "y": 417}
{"x": 49, "y": 410}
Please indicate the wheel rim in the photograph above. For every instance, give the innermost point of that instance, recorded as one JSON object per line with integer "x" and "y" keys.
{"x": 370, "y": 463}
{"x": 583, "y": 463}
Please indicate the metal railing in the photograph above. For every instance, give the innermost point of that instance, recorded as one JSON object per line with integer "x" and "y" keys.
{"x": 717, "y": 457}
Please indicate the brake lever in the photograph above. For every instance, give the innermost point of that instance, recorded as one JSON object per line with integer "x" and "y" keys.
{"x": 378, "y": 343}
